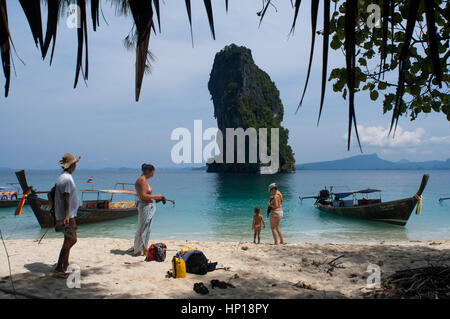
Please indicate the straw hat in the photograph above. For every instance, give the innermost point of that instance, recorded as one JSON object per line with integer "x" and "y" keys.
{"x": 67, "y": 160}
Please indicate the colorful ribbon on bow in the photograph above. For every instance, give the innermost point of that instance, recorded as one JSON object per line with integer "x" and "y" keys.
{"x": 419, "y": 204}
{"x": 22, "y": 202}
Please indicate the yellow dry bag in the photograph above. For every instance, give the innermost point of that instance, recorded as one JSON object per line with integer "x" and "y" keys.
{"x": 178, "y": 267}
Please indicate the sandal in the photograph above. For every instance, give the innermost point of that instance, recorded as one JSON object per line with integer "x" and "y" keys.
{"x": 200, "y": 288}
{"x": 220, "y": 284}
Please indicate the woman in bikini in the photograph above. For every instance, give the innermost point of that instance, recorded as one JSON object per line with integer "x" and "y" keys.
{"x": 146, "y": 210}
{"x": 276, "y": 212}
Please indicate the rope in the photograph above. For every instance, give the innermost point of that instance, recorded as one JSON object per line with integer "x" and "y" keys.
{"x": 419, "y": 204}
{"x": 46, "y": 231}
{"x": 9, "y": 265}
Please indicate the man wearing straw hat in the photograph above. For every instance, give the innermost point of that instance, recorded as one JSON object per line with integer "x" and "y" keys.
{"x": 66, "y": 207}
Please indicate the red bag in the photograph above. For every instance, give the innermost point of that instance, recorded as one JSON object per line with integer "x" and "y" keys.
{"x": 156, "y": 252}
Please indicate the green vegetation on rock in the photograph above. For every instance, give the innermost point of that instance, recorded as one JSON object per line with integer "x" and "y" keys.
{"x": 244, "y": 96}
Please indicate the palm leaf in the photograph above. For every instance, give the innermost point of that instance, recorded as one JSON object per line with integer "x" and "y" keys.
{"x": 52, "y": 26}
{"x": 32, "y": 10}
{"x": 209, "y": 12}
{"x": 142, "y": 12}
{"x": 296, "y": 9}
{"x": 326, "y": 37}
{"x": 82, "y": 37}
{"x": 95, "y": 13}
{"x": 263, "y": 13}
{"x": 413, "y": 9}
{"x": 156, "y": 4}
{"x": 351, "y": 10}
{"x": 314, "y": 11}
{"x": 433, "y": 42}
{"x": 189, "y": 12}
{"x": 5, "y": 45}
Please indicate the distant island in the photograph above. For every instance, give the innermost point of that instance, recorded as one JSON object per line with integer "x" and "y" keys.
{"x": 373, "y": 162}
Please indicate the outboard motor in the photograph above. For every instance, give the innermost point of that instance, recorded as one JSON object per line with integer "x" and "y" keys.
{"x": 324, "y": 195}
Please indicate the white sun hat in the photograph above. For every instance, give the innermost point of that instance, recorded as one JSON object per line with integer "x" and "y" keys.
{"x": 272, "y": 186}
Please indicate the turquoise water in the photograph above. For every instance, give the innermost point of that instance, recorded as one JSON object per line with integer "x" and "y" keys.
{"x": 220, "y": 207}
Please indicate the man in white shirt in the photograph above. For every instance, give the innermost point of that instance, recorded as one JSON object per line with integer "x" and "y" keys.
{"x": 66, "y": 207}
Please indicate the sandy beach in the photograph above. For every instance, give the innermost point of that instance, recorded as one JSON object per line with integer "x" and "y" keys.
{"x": 257, "y": 271}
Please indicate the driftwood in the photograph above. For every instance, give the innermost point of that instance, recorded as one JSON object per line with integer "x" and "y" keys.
{"x": 328, "y": 267}
{"x": 431, "y": 282}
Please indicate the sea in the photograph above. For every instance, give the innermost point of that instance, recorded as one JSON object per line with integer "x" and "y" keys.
{"x": 219, "y": 207}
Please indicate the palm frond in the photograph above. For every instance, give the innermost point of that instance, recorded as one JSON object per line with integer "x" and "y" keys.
{"x": 413, "y": 9}
{"x": 209, "y": 12}
{"x": 314, "y": 11}
{"x": 142, "y": 12}
{"x": 296, "y": 10}
{"x": 433, "y": 43}
{"x": 95, "y": 13}
{"x": 5, "y": 45}
{"x": 351, "y": 11}
{"x": 158, "y": 15}
{"x": 32, "y": 10}
{"x": 53, "y": 7}
{"x": 326, "y": 37}
{"x": 82, "y": 40}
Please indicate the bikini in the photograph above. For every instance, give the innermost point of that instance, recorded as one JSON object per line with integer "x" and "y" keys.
{"x": 279, "y": 212}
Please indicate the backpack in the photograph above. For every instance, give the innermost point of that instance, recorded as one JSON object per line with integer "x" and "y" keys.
{"x": 197, "y": 263}
{"x": 156, "y": 252}
{"x": 51, "y": 198}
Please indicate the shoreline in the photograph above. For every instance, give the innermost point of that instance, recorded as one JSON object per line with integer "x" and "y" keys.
{"x": 300, "y": 270}
{"x": 266, "y": 238}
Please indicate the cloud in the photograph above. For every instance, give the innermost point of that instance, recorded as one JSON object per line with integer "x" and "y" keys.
{"x": 440, "y": 139}
{"x": 378, "y": 136}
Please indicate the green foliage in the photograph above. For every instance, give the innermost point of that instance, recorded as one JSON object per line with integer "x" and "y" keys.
{"x": 422, "y": 94}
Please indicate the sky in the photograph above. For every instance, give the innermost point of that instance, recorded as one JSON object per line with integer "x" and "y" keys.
{"x": 44, "y": 117}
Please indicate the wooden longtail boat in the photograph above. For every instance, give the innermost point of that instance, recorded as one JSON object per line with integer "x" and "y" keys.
{"x": 9, "y": 196}
{"x": 90, "y": 211}
{"x": 395, "y": 212}
{"x": 443, "y": 198}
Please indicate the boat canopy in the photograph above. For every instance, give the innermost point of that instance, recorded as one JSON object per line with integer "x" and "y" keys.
{"x": 3, "y": 188}
{"x": 348, "y": 193}
{"x": 110, "y": 191}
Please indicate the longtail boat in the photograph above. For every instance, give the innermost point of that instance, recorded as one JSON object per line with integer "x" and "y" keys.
{"x": 395, "y": 212}
{"x": 443, "y": 198}
{"x": 9, "y": 196}
{"x": 90, "y": 211}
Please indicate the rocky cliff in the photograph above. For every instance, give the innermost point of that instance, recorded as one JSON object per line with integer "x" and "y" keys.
{"x": 245, "y": 97}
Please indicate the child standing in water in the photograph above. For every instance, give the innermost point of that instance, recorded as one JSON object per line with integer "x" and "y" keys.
{"x": 256, "y": 226}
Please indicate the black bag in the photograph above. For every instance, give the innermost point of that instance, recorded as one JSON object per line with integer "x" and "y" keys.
{"x": 269, "y": 210}
{"x": 198, "y": 264}
{"x": 51, "y": 198}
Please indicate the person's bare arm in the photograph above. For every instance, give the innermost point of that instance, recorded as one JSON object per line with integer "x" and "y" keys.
{"x": 275, "y": 202}
{"x": 264, "y": 223}
{"x": 144, "y": 195}
{"x": 66, "y": 198}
